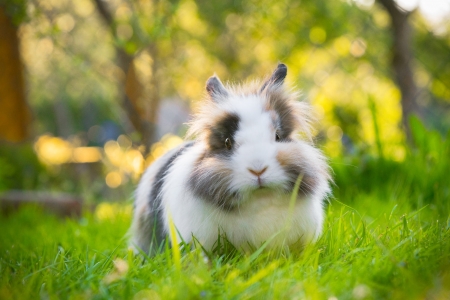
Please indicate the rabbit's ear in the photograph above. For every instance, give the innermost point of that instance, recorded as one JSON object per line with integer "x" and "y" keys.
{"x": 277, "y": 77}
{"x": 215, "y": 88}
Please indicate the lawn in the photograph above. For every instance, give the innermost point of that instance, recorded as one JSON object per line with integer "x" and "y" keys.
{"x": 386, "y": 236}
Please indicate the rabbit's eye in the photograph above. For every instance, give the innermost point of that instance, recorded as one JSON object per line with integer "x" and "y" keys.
{"x": 228, "y": 143}
{"x": 277, "y": 137}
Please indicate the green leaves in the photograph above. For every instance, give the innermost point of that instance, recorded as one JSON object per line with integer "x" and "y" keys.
{"x": 16, "y": 10}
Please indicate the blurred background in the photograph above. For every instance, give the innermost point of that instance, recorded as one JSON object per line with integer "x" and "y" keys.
{"x": 93, "y": 91}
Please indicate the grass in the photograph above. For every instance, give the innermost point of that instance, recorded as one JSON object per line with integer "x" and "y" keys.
{"x": 386, "y": 236}
{"x": 376, "y": 250}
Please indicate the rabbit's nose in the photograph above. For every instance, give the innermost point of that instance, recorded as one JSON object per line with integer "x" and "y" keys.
{"x": 257, "y": 172}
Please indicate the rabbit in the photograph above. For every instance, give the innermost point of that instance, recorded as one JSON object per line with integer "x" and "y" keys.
{"x": 236, "y": 177}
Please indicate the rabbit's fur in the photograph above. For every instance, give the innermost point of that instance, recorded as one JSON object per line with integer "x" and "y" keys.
{"x": 250, "y": 145}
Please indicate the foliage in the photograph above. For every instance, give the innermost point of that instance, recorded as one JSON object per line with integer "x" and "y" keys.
{"x": 434, "y": 61}
{"x": 421, "y": 179}
{"x": 16, "y": 10}
{"x": 337, "y": 52}
{"x": 20, "y": 168}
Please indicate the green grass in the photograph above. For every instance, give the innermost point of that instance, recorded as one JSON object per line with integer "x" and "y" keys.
{"x": 377, "y": 250}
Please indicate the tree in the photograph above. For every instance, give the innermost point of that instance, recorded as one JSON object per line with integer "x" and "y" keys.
{"x": 401, "y": 61}
{"x": 15, "y": 116}
{"x": 131, "y": 88}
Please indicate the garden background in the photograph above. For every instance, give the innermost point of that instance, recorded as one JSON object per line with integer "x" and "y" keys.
{"x": 93, "y": 91}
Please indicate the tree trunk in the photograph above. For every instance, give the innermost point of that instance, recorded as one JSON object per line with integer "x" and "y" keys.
{"x": 132, "y": 90}
{"x": 401, "y": 62}
{"x": 15, "y": 115}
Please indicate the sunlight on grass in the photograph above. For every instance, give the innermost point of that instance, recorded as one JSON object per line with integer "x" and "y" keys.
{"x": 176, "y": 256}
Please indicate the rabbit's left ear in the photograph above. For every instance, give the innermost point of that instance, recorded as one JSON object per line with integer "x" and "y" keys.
{"x": 277, "y": 77}
{"x": 215, "y": 88}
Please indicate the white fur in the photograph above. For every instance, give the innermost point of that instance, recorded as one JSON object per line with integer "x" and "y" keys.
{"x": 140, "y": 230}
{"x": 263, "y": 214}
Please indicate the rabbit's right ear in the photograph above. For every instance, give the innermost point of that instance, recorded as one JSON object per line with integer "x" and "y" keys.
{"x": 277, "y": 77}
{"x": 215, "y": 88}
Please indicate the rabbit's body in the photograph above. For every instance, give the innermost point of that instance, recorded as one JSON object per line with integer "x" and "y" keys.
{"x": 237, "y": 177}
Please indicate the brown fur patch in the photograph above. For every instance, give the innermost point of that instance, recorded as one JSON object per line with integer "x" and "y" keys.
{"x": 210, "y": 181}
{"x": 295, "y": 164}
{"x": 287, "y": 121}
{"x": 283, "y": 158}
{"x": 225, "y": 127}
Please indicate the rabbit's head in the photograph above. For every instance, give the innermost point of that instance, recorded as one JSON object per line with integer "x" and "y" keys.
{"x": 255, "y": 137}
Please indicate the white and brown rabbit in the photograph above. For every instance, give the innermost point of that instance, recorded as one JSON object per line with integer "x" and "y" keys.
{"x": 237, "y": 175}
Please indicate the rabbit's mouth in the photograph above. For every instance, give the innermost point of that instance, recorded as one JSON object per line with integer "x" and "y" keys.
{"x": 262, "y": 187}
{"x": 276, "y": 191}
